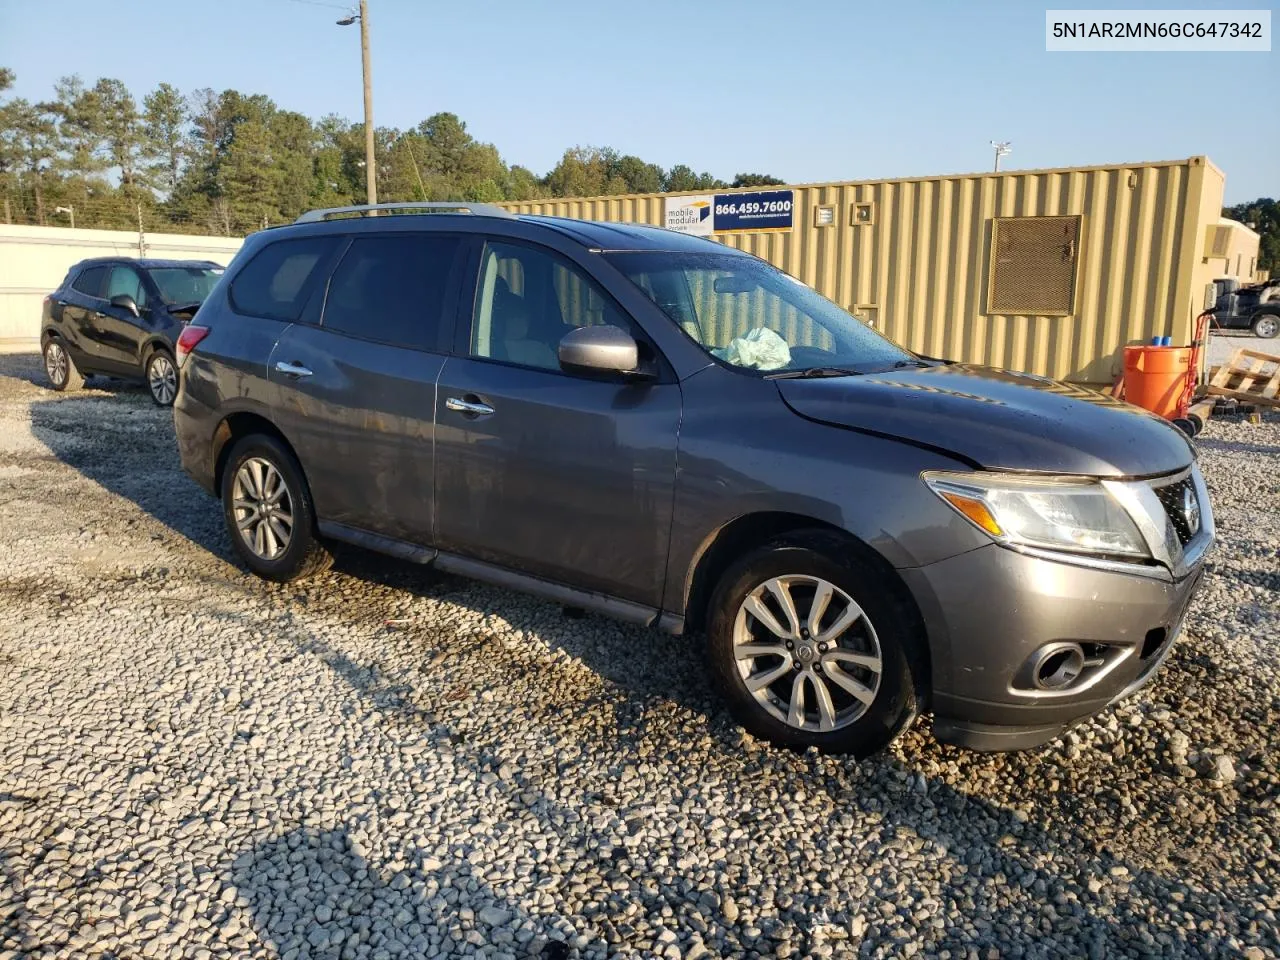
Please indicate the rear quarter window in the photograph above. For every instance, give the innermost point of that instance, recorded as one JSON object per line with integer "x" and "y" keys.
{"x": 279, "y": 278}
{"x": 90, "y": 281}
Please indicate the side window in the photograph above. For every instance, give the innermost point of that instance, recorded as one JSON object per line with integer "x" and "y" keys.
{"x": 527, "y": 300}
{"x": 91, "y": 281}
{"x": 126, "y": 280}
{"x": 276, "y": 282}
{"x": 392, "y": 288}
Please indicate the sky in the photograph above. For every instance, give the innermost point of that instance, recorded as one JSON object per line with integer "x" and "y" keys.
{"x": 809, "y": 91}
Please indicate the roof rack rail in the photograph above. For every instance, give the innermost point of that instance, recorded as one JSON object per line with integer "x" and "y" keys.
{"x": 462, "y": 206}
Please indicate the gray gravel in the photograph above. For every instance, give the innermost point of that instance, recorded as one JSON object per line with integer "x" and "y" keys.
{"x": 386, "y": 763}
{"x": 1223, "y": 343}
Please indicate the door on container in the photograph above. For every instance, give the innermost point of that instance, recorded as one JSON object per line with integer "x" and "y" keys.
{"x": 557, "y": 475}
{"x": 360, "y": 385}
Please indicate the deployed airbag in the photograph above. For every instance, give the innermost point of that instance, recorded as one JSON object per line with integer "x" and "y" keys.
{"x": 758, "y": 349}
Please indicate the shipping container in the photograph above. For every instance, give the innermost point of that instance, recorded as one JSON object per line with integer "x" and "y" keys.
{"x": 1048, "y": 272}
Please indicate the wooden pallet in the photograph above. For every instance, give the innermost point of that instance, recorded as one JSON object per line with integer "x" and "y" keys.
{"x": 1249, "y": 375}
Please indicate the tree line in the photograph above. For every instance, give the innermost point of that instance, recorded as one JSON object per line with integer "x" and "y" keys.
{"x": 1263, "y": 215}
{"x": 230, "y": 162}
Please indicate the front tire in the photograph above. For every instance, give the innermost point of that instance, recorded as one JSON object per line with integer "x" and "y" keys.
{"x": 812, "y": 646}
{"x": 268, "y": 511}
{"x": 1266, "y": 325}
{"x": 59, "y": 366}
{"x": 162, "y": 378}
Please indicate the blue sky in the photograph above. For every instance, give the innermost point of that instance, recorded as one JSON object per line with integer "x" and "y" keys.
{"x": 807, "y": 91}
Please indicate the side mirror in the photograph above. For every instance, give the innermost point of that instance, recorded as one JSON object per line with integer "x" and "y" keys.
{"x": 599, "y": 349}
{"x": 125, "y": 302}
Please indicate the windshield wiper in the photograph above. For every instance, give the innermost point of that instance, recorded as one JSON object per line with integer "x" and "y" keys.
{"x": 812, "y": 372}
{"x": 911, "y": 363}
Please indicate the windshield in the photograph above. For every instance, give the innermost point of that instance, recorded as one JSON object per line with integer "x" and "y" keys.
{"x": 185, "y": 284}
{"x": 751, "y": 315}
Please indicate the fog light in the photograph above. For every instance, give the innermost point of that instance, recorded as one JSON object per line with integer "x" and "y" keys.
{"x": 1058, "y": 666}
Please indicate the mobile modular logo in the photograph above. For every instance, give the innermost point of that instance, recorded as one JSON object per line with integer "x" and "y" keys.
{"x": 690, "y": 215}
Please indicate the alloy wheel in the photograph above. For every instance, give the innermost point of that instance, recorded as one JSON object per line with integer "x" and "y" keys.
{"x": 162, "y": 378}
{"x": 56, "y": 363}
{"x": 807, "y": 653}
{"x": 262, "y": 508}
{"x": 1267, "y": 326}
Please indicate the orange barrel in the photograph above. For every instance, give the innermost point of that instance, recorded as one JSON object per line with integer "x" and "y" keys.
{"x": 1154, "y": 377}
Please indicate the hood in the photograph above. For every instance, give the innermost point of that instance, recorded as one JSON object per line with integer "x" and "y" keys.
{"x": 997, "y": 419}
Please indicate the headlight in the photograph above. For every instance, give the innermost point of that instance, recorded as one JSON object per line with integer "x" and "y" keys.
{"x": 1052, "y": 514}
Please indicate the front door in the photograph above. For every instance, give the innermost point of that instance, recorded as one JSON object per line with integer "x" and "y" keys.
{"x": 558, "y": 476}
{"x": 358, "y": 390}
{"x": 118, "y": 332}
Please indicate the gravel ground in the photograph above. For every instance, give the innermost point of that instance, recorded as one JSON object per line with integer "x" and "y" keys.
{"x": 1223, "y": 343}
{"x": 389, "y": 763}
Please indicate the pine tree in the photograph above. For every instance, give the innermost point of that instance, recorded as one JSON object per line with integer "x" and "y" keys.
{"x": 165, "y": 136}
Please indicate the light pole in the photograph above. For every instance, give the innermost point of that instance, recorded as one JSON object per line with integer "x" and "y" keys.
{"x": 370, "y": 171}
{"x": 1002, "y": 149}
{"x": 70, "y": 212}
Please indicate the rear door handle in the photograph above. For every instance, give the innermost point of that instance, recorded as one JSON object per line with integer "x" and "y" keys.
{"x": 292, "y": 369}
{"x": 466, "y": 406}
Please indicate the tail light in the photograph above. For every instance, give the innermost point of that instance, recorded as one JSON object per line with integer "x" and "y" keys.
{"x": 191, "y": 336}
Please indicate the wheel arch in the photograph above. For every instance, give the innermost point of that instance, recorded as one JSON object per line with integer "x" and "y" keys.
{"x": 1269, "y": 311}
{"x": 752, "y": 531}
{"x": 241, "y": 424}
{"x": 151, "y": 345}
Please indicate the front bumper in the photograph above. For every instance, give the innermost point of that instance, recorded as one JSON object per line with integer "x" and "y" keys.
{"x": 990, "y": 610}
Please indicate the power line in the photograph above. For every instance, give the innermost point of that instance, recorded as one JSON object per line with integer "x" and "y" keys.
{"x": 321, "y": 3}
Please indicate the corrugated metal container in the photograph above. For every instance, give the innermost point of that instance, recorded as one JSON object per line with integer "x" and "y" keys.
{"x": 915, "y": 257}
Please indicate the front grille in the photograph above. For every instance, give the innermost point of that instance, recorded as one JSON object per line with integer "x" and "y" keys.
{"x": 1173, "y": 499}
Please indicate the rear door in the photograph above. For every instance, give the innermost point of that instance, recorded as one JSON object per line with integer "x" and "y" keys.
{"x": 358, "y": 389}
{"x": 80, "y": 305}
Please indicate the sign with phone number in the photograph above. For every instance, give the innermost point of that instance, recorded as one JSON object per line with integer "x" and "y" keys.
{"x": 710, "y": 214}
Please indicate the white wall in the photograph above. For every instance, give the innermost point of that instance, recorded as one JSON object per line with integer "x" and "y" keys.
{"x": 33, "y": 261}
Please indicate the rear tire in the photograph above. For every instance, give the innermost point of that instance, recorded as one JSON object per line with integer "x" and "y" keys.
{"x": 162, "y": 377}
{"x": 842, "y": 681}
{"x": 1266, "y": 325}
{"x": 59, "y": 367}
{"x": 268, "y": 511}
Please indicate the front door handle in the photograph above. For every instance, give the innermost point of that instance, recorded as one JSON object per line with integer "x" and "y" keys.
{"x": 292, "y": 369}
{"x": 466, "y": 406}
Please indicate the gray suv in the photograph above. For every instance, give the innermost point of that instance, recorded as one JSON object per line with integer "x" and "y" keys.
{"x": 674, "y": 433}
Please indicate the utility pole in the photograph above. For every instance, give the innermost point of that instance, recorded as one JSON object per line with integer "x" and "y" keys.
{"x": 1002, "y": 148}
{"x": 370, "y": 169}
{"x": 142, "y": 237}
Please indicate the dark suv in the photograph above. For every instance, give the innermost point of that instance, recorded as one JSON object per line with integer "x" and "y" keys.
{"x": 121, "y": 317}
{"x": 672, "y": 432}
